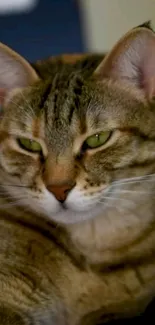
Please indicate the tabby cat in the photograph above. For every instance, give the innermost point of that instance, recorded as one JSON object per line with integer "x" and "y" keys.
{"x": 77, "y": 184}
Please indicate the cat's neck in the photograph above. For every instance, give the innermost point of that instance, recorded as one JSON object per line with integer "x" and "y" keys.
{"x": 117, "y": 236}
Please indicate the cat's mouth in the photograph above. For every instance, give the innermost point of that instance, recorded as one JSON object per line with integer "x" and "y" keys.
{"x": 63, "y": 206}
{"x": 69, "y": 214}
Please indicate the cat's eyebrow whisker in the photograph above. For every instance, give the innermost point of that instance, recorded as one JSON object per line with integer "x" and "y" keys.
{"x": 14, "y": 119}
{"x": 29, "y": 106}
{"x": 26, "y": 115}
{"x": 20, "y": 107}
{"x": 10, "y": 100}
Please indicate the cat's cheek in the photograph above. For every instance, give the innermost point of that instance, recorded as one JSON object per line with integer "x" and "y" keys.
{"x": 46, "y": 204}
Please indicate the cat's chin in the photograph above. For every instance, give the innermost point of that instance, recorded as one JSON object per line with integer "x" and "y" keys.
{"x": 68, "y": 216}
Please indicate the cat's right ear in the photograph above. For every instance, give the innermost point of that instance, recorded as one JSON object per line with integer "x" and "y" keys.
{"x": 15, "y": 72}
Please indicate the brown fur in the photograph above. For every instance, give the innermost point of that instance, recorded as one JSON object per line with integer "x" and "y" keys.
{"x": 93, "y": 260}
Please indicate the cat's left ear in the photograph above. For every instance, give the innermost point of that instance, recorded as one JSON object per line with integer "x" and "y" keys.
{"x": 15, "y": 72}
{"x": 133, "y": 60}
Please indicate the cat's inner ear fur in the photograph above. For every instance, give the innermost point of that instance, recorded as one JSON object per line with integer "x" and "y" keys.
{"x": 133, "y": 60}
{"x": 15, "y": 72}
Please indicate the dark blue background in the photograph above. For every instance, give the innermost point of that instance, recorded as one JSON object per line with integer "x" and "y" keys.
{"x": 52, "y": 28}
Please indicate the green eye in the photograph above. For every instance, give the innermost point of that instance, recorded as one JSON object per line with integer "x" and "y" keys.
{"x": 29, "y": 145}
{"x": 97, "y": 140}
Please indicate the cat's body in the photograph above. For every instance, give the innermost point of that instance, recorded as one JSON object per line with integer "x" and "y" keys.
{"x": 87, "y": 255}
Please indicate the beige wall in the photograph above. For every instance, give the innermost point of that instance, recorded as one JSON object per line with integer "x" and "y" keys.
{"x": 104, "y": 21}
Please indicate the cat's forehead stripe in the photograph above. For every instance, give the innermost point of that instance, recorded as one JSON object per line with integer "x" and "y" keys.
{"x": 45, "y": 94}
{"x": 60, "y": 93}
{"x": 63, "y": 100}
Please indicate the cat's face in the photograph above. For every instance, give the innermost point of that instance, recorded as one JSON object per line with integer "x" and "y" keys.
{"x": 61, "y": 127}
{"x": 68, "y": 144}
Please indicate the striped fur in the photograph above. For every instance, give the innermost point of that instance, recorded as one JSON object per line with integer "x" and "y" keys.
{"x": 92, "y": 259}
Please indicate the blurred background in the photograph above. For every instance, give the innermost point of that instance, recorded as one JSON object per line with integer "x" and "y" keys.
{"x": 40, "y": 28}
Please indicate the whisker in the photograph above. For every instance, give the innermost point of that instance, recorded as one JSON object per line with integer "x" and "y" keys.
{"x": 9, "y": 185}
{"x": 133, "y": 191}
{"x": 10, "y": 198}
{"x": 111, "y": 204}
{"x": 8, "y": 204}
{"x": 113, "y": 198}
{"x": 132, "y": 182}
{"x": 148, "y": 177}
{"x": 4, "y": 196}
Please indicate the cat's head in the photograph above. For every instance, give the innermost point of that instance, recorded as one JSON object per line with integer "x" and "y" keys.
{"x": 67, "y": 143}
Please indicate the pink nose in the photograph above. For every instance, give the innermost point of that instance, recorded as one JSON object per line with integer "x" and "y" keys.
{"x": 60, "y": 191}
